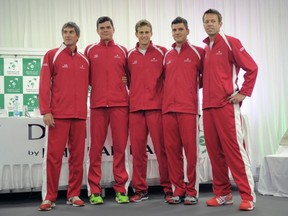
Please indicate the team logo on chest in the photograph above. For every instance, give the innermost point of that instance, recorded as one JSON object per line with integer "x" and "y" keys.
{"x": 65, "y": 66}
{"x": 219, "y": 52}
{"x": 134, "y": 62}
{"x": 154, "y": 60}
{"x": 187, "y": 60}
{"x": 117, "y": 56}
{"x": 96, "y": 56}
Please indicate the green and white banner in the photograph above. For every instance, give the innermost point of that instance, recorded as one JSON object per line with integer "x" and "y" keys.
{"x": 19, "y": 76}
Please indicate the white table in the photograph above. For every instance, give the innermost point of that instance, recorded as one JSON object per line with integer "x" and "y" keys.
{"x": 273, "y": 177}
{"x": 22, "y": 142}
{"x": 22, "y": 145}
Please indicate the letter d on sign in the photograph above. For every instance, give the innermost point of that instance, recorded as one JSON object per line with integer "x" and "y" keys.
{"x": 30, "y": 131}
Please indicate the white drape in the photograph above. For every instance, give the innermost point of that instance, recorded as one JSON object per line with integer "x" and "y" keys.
{"x": 261, "y": 25}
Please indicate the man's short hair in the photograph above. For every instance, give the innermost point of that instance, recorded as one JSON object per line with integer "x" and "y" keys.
{"x": 71, "y": 25}
{"x": 103, "y": 19}
{"x": 213, "y": 11}
{"x": 141, "y": 23}
{"x": 178, "y": 20}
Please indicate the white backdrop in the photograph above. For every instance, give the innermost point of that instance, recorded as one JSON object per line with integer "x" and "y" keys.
{"x": 35, "y": 26}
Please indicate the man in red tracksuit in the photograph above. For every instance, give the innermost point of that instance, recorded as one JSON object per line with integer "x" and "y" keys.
{"x": 145, "y": 65}
{"x": 108, "y": 105}
{"x": 63, "y": 92}
{"x": 183, "y": 65}
{"x": 224, "y": 56}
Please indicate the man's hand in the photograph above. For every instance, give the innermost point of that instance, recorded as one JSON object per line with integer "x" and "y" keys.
{"x": 236, "y": 98}
{"x": 48, "y": 120}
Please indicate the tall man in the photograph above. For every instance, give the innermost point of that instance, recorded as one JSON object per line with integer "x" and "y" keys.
{"x": 222, "y": 98}
{"x": 183, "y": 65}
{"x": 109, "y": 105}
{"x": 145, "y": 65}
{"x": 63, "y": 95}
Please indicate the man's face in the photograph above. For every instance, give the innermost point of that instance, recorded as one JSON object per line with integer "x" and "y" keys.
{"x": 144, "y": 35}
{"x": 70, "y": 37}
{"x": 105, "y": 31}
{"x": 179, "y": 33}
{"x": 211, "y": 24}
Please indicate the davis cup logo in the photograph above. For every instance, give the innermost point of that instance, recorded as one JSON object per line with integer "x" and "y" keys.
{"x": 13, "y": 65}
{"x": 32, "y": 101}
{"x": 13, "y": 83}
{"x": 32, "y": 82}
{"x": 31, "y": 65}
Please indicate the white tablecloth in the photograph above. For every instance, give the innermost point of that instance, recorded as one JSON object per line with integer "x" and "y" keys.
{"x": 273, "y": 177}
{"x": 22, "y": 147}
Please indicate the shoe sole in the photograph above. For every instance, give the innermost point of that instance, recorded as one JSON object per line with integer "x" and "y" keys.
{"x": 48, "y": 209}
{"x": 190, "y": 203}
{"x": 247, "y": 209}
{"x": 174, "y": 203}
{"x": 223, "y": 204}
{"x": 142, "y": 199}
{"x": 74, "y": 205}
{"x": 121, "y": 202}
{"x": 96, "y": 203}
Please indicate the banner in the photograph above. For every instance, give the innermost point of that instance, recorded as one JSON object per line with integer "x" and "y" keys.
{"x": 23, "y": 140}
{"x": 19, "y": 76}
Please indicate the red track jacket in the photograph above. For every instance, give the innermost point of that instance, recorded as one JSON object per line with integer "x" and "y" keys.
{"x": 146, "y": 75}
{"x": 107, "y": 87}
{"x": 219, "y": 78}
{"x": 182, "y": 79}
{"x": 61, "y": 71}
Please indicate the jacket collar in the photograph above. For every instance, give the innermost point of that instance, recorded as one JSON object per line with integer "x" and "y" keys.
{"x": 218, "y": 37}
{"x": 110, "y": 43}
{"x": 149, "y": 47}
{"x": 185, "y": 44}
{"x": 67, "y": 49}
